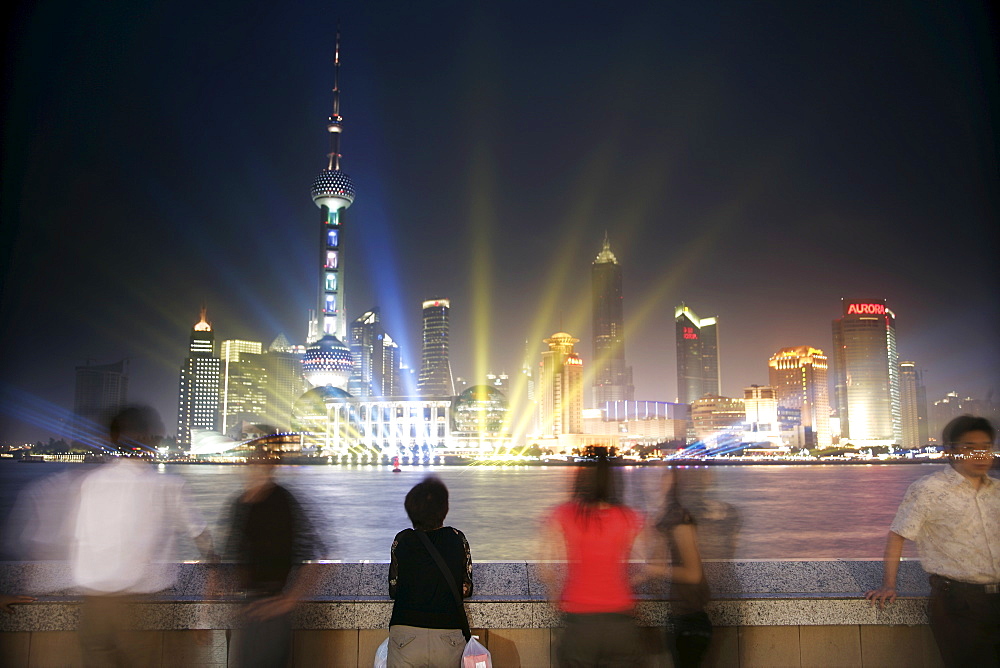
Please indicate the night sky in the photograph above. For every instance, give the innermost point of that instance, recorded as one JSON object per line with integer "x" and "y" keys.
{"x": 758, "y": 161}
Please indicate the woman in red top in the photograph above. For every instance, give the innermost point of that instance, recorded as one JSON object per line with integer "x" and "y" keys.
{"x": 594, "y": 533}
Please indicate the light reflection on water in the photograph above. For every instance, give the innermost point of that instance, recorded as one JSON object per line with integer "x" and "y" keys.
{"x": 785, "y": 512}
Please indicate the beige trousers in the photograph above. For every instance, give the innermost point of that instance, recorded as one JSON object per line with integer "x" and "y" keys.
{"x": 105, "y": 637}
{"x": 415, "y": 647}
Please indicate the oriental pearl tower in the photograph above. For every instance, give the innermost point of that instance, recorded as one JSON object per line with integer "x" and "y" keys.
{"x": 327, "y": 360}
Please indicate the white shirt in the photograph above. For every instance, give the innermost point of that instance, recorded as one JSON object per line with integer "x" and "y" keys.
{"x": 127, "y": 520}
{"x": 956, "y": 527}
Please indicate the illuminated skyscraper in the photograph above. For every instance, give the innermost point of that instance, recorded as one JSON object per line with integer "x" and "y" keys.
{"x": 560, "y": 388}
{"x": 866, "y": 373}
{"x": 435, "y": 378}
{"x": 913, "y": 405}
{"x": 697, "y": 355}
{"x": 799, "y": 378}
{"x": 376, "y": 358}
{"x": 101, "y": 389}
{"x": 612, "y": 377}
{"x": 244, "y": 383}
{"x": 328, "y": 359}
{"x": 285, "y": 383}
{"x": 198, "y": 403}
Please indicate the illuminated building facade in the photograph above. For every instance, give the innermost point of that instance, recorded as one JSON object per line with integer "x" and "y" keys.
{"x": 640, "y": 422}
{"x": 101, "y": 390}
{"x": 376, "y": 358}
{"x": 913, "y": 405}
{"x": 866, "y": 373}
{"x": 718, "y": 421}
{"x": 560, "y": 388}
{"x": 612, "y": 377}
{"x": 435, "y": 379}
{"x": 480, "y": 421}
{"x": 244, "y": 385}
{"x": 198, "y": 402}
{"x": 697, "y": 355}
{"x": 285, "y": 382}
{"x": 799, "y": 378}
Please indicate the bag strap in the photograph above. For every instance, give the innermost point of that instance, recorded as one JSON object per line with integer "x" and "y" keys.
{"x": 449, "y": 578}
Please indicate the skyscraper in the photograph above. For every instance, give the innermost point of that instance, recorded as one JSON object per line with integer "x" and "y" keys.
{"x": 799, "y": 378}
{"x": 101, "y": 389}
{"x": 866, "y": 373}
{"x": 697, "y": 355}
{"x": 244, "y": 384}
{"x": 913, "y": 405}
{"x": 376, "y": 358}
{"x": 560, "y": 388}
{"x": 612, "y": 377}
{"x": 198, "y": 402}
{"x": 435, "y": 379}
{"x": 328, "y": 359}
{"x": 285, "y": 383}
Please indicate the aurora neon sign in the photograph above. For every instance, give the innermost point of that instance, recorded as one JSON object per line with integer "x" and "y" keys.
{"x": 866, "y": 309}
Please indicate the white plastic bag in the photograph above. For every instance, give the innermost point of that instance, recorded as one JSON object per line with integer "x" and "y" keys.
{"x": 382, "y": 655}
{"x": 475, "y": 655}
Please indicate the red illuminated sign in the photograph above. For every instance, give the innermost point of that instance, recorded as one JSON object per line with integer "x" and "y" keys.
{"x": 689, "y": 333}
{"x": 866, "y": 309}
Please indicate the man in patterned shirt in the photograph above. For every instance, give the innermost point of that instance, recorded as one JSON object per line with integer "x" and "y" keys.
{"x": 954, "y": 517}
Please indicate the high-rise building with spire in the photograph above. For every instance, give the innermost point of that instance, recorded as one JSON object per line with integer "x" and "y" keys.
{"x": 435, "y": 379}
{"x": 198, "y": 401}
{"x": 612, "y": 377}
{"x": 697, "y": 355}
{"x": 328, "y": 359}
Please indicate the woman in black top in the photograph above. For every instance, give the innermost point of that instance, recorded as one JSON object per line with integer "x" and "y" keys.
{"x": 426, "y": 624}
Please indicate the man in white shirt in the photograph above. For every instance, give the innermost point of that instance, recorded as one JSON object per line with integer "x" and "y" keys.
{"x": 128, "y": 517}
{"x": 954, "y": 517}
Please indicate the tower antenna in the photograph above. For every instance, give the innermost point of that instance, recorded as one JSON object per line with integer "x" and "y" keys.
{"x": 335, "y": 123}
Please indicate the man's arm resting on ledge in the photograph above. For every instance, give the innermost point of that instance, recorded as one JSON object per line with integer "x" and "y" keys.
{"x": 886, "y": 594}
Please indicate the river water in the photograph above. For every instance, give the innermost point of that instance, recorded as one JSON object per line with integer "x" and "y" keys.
{"x": 744, "y": 512}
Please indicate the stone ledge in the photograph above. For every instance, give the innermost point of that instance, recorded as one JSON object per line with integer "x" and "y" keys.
{"x": 508, "y": 595}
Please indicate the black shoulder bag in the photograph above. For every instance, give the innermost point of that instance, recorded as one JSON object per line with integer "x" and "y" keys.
{"x": 439, "y": 560}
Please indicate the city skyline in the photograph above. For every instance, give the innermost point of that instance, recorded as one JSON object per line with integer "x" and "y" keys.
{"x": 762, "y": 185}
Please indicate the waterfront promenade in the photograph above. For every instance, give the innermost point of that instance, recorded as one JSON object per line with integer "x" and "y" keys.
{"x": 766, "y": 613}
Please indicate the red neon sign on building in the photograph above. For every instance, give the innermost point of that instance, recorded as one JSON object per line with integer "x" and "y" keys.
{"x": 866, "y": 309}
{"x": 689, "y": 333}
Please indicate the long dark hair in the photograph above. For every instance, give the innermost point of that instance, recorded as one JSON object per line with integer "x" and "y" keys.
{"x": 595, "y": 484}
{"x": 674, "y": 512}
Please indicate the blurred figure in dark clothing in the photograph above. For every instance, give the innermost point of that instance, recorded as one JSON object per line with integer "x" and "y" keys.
{"x": 689, "y": 630}
{"x": 270, "y": 538}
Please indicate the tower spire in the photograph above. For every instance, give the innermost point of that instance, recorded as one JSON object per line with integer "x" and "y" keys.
{"x": 334, "y": 124}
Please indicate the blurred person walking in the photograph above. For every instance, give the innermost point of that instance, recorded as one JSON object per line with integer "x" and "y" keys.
{"x": 428, "y": 627}
{"x": 124, "y": 538}
{"x": 689, "y": 630}
{"x": 594, "y": 533}
{"x": 270, "y": 539}
{"x": 954, "y": 517}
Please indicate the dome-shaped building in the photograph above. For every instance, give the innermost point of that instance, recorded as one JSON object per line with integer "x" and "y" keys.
{"x": 480, "y": 409}
{"x": 326, "y": 418}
